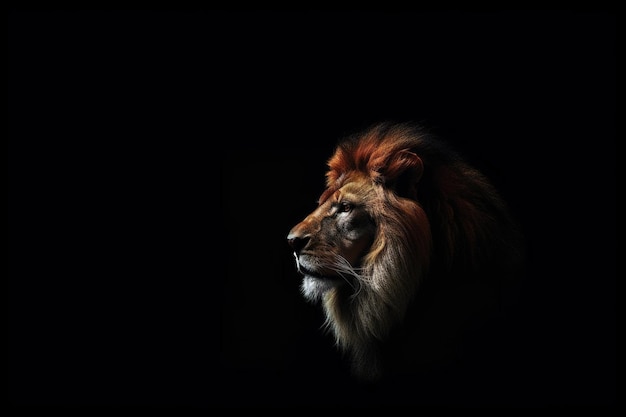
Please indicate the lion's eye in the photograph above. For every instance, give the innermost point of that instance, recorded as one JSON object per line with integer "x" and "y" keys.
{"x": 345, "y": 207}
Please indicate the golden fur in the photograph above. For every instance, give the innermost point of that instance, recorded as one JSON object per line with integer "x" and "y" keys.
{"x": 399, "y": 207}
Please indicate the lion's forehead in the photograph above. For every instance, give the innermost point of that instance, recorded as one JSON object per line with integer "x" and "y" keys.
{"x": 354, "y": 186}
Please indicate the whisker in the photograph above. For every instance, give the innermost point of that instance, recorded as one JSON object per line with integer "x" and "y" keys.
{"x": 343, "y": 268}
{"x": 295, "y": 255}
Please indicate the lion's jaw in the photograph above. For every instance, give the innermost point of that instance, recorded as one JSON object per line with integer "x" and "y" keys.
{"x": 322, "y": 273}
{"x": 316, "y": 280}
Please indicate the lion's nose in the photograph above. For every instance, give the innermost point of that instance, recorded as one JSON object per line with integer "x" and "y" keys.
{"x": 297, "y": 240}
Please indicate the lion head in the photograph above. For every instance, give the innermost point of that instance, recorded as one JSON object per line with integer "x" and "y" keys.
{"x": 399, "y": 208}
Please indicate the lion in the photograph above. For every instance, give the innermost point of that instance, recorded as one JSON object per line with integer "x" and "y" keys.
{"x": 400, "y": 210}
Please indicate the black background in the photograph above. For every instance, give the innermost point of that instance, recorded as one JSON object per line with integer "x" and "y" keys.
{"x": 157, "y": 160}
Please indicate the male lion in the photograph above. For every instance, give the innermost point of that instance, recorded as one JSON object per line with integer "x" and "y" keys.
{"x": 402, "y": 212}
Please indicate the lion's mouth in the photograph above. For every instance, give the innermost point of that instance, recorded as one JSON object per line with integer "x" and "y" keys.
{"x": 312, "y": 273}
{"x": 317, "y": 279}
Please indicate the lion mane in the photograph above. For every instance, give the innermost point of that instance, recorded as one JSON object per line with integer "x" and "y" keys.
{"x": 400, "y": 209}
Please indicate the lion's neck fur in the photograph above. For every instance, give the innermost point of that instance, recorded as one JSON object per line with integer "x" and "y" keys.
{"x": 361, "y": 321}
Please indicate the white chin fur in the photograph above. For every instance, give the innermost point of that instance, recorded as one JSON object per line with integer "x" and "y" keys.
{"x": 313, "y": 288}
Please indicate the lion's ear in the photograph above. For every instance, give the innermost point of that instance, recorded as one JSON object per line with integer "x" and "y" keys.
{"x": 403, "y": 172}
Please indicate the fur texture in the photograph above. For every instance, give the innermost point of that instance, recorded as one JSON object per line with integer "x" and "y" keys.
{"x": 399, "y": 209}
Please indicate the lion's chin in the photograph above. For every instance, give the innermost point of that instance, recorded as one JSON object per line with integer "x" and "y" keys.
{"x": 313, "y": 288}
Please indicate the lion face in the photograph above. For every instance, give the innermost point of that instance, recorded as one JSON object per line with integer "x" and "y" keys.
{"x": 330, "y": 242}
